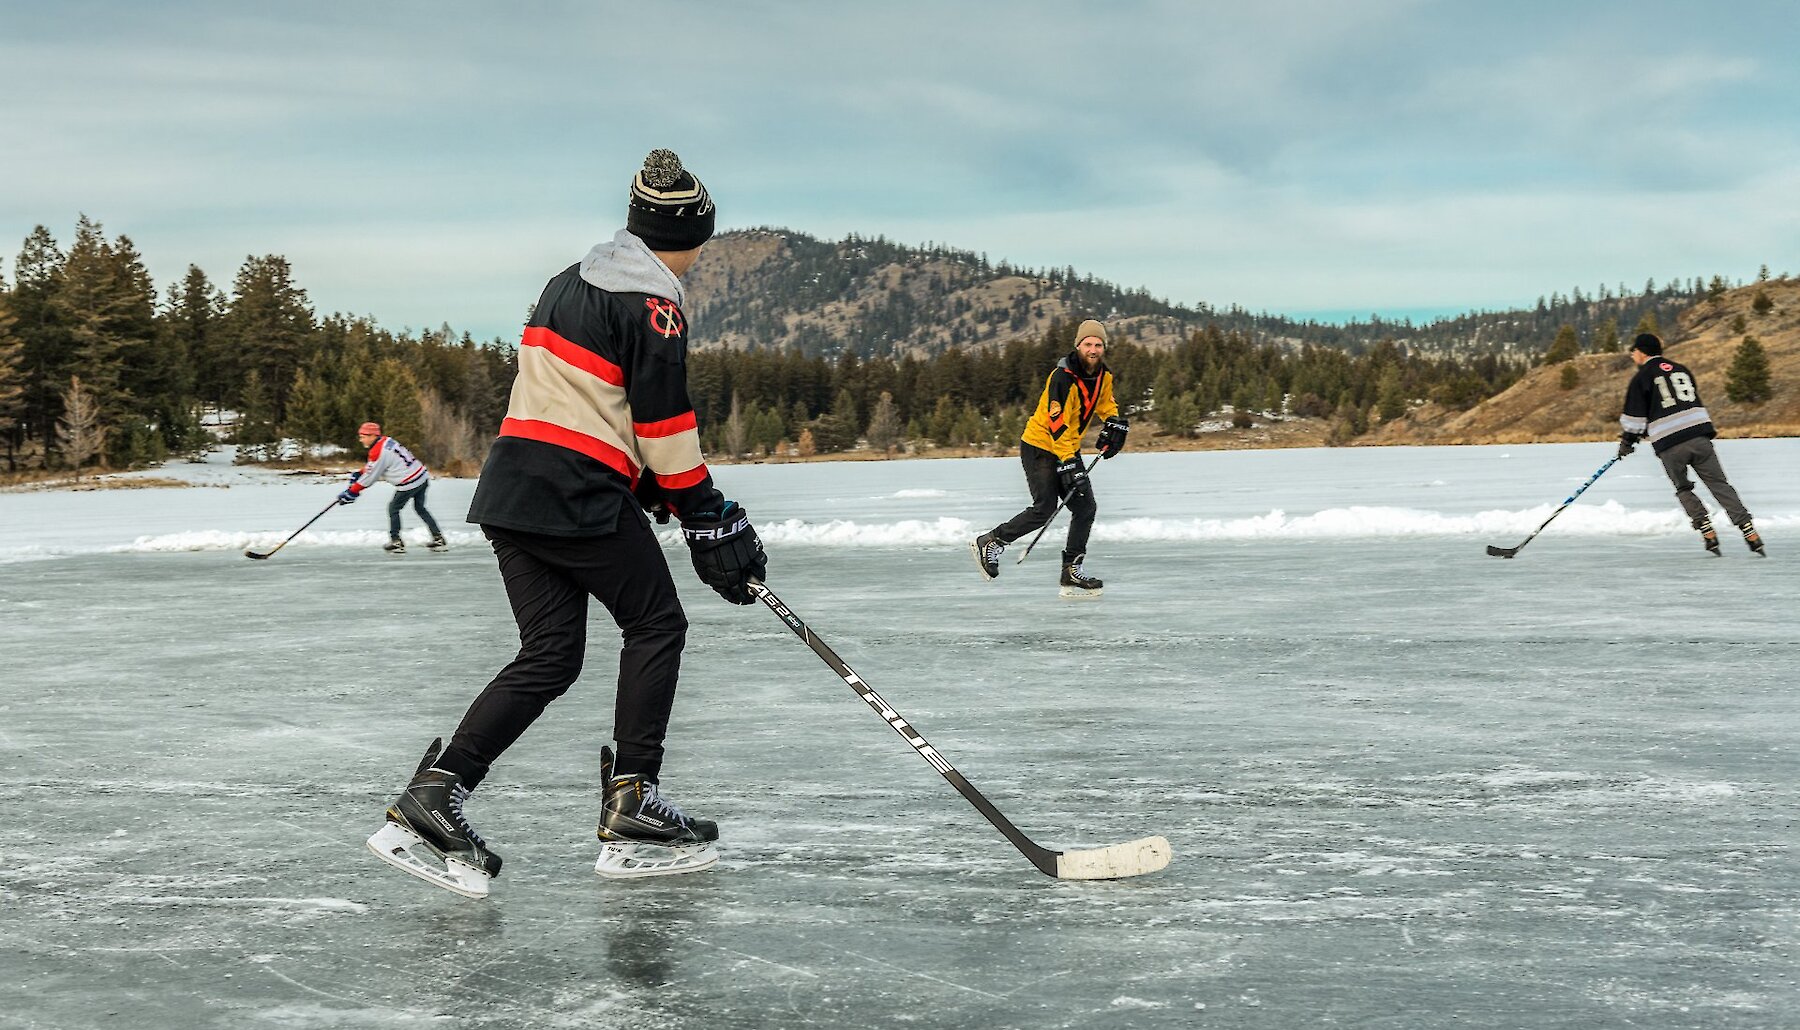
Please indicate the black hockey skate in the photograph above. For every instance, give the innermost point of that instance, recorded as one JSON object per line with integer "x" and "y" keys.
{"x": 438, "y": 543}
{"x": 1709, "y": 536}
{"x": 1078, "y": 585}
{"x": 428, "y": 817}
{"x": 644, "y": 834}
{"x": 1752, "y": 538}
{"x": 987, "y": 549}
{"x": 395, "y": 546}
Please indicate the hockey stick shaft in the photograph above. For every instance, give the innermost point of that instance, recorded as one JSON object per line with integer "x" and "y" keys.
{"x": 295, "y": 533}
{"x": 1043, "y": 858}
{"x": 1508, "y": 552}
{"x": 1059, "y": 507}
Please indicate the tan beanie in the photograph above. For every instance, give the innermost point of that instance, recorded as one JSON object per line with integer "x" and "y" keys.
{"x": 1090, "y": 327}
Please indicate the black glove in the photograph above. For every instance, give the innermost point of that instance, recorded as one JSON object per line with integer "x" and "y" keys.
{"x": 1627, "y": 443}
{"x": 1073, "y": 475}
{"x": 1112, "y": 436}
{"x": 726, "y": 551}
{"x": 649, "y": 494}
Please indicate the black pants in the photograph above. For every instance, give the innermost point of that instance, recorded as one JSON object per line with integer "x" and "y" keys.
{"x": 1046, "y": 490}
{"x": 548, "y": 582}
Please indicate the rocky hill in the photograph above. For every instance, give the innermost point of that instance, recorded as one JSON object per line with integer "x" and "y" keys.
{"x": 1537, "y": 409}
{"x": 780, "y": 289}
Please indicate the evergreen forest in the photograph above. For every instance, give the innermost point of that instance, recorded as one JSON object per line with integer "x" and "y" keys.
{"x": 99, "y": 367}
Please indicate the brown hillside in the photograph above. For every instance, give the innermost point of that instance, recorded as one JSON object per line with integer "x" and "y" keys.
{"x": 1537, "y": 410}
{"x": 739, "y": 259}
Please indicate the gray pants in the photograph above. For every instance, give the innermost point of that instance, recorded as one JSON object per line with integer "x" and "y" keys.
{"x": 1698, "y": 455}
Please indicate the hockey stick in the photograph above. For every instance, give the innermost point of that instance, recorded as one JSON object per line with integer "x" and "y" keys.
{"x": 1132, "y": 858}
{"x": 295, "y": 533}
{"x": 1053, "y": 515}
{"x": 1508, "y": 552}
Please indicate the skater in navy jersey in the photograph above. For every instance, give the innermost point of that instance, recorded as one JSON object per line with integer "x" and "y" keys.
{"x": 1662, "y": 404}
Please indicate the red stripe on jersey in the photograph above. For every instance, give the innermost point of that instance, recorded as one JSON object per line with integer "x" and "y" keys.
{"x": 550, "y": 433}
{"x": 667, "y": 427}
{"x": 683, "y": 480}
{"x": 574, "y": 354}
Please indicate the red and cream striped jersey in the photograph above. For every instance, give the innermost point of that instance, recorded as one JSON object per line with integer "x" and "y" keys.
{"x": 601, "y": 396}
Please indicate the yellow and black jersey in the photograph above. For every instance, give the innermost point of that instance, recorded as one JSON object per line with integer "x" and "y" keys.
{"x": 1070, "y": 403}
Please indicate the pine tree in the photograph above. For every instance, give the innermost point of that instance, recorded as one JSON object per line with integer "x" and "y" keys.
{"x": 12, "y": 379}
{"x": 80, "y": 431}
{"x": 1646, "y": 324}
{"x": 1761, "y": 303}
{"x": 268, "y": 325}
{"x": 396, "y": 397}
{"x": 1570, "y": 378}
{"x": 1747, "y": 380}
{"x": 1566, "y": 346}
{"x": 884, "y": 424}
{"x": 1606, "y": 341}
{"x": 255, "y": 433}
{"x": 1390, "y": 396}
{"x": 737, "y": 430}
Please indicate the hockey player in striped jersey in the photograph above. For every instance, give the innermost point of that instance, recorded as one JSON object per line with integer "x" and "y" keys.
{"x": 598, "y": 435}
{"x": 391, "y": 462}
{"x": 1663, "y": 405}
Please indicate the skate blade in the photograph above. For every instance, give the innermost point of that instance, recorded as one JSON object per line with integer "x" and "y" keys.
{"x": 629, "y": 861}
{"x": 1079, "y": 594}
{"x": 394, "y": 844}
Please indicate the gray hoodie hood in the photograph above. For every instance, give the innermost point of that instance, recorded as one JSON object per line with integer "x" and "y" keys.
{"x": 627, "y": 265}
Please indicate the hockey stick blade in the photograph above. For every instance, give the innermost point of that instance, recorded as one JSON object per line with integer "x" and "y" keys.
{"x": 1117, "y": 861}
{"x": 253, "y": 554}
{"x": 1132, "y": 858}
{"x": 1501, "y": 552}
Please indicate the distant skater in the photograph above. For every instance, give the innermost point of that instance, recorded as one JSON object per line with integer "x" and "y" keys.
{"x": 1078, "y": 391}
{"x": 390, "y": 461}
{"x": 599, "y": 433}
{"x": 1663, "y": 404}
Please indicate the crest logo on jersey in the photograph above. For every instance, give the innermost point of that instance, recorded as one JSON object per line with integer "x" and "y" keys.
{"x": 1665, "y": 366}
{"x": 665, "y": 318}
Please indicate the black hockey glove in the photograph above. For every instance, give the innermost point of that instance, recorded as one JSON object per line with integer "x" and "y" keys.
{"x": 649, "y": 494}
{"x": 1112, "y": 436}
{"x": 1073, "y": 475}
{"x": 1627, "y": 443}
{"x": 726, "y": 551}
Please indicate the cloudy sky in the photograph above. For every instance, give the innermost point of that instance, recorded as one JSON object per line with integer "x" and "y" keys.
{"x": 436, "y": 162}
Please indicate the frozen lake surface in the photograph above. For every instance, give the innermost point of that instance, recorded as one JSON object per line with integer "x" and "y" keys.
{"x": 1407, "y": 785}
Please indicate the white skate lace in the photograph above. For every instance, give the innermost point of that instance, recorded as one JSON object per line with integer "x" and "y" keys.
{"x": 459, "y": 794}
{"x": 653, "y": 799}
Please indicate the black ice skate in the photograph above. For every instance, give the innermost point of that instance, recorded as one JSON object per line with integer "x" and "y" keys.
{"x": 427, "y": 835}
{"x": 644, "y": 834}
{"x": 1078, "y": 585}
{"x": 438, "y": 543}
{"x": 1708, "y": 535}
{"x": 987, "y": 549}
{"x": 395, "y": 546}
{"x": 1752, "y": 538}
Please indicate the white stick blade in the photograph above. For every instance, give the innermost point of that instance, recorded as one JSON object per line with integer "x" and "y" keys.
{"x": 1132, "y": 858}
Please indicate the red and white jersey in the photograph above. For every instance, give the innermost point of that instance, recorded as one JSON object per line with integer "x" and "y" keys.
{"x": 389, "y": 462}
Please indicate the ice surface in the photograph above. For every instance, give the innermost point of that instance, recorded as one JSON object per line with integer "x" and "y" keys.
{"x": 1407, "y": 785}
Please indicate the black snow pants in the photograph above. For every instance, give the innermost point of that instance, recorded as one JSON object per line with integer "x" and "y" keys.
{"x": 548, "y": 582}
{"x": 1046, "y": 490}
